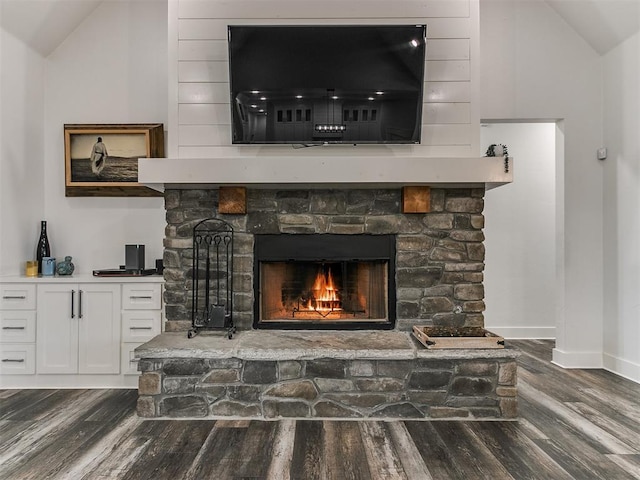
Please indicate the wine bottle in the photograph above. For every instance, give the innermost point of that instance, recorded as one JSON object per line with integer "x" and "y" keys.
{"x": 42, "y": 248}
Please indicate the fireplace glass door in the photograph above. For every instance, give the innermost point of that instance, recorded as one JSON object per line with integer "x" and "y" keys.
{"x": 328, "y": 281}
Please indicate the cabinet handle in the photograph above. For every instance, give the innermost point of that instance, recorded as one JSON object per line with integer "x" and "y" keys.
{"x": 13, "y": 360}
{"x": 13, "y": 328}
{"x": 79, "y": 303}
{"x": 144, "y": 297}
{"x": 73, "y": 296}
{"x": 14, "y": 297}
{"x": 140, "y": 328}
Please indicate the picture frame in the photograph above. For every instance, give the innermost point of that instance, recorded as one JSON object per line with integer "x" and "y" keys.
{"x": 101, "y": 160}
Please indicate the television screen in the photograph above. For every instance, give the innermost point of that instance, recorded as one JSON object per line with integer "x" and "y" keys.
{"x": 356, "y": 84}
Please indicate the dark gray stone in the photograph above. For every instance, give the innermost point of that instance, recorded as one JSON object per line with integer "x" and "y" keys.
{"x": 212, "y": 392}
{"x": 289, "y": 369}
{"x": 333, "y": 202}
{"x": 183, "y": 406}
{"x": 224, "y": 363}
{"x": 360, "y": 400}
{"x": 330, "y": 409}
{"x": 395, "y": 368}
{"x": 228, "y": 375}
{"x": 292, "y": 205}
{"x": 326, "y": 368}
{"x": 434, "y": 397}
{"x": 277, "y": 409}
{"x": 173, "y": 385}
{"x": 429, "y": 380}
{"x": 444, "y": 255}
{"x": 408, "y": 309}
{"x": 303, "y": 389}
{"x": 400, "y": 410}
{"x": 244, "y": 393}
{"x": 418, "y": 277}
{"x": 334, "y": 385}
{"x": 185, "y": 366}
{"x": 485, "y": 412}
{"x": 473, "y": 291}
{"x": 464, "y": 402}
{"x": 436, "y": 305}
{"x": 149, "y": 365}
{"x": 471, "y": 386}
{"x": 362, "y": 368}
{"x": 259, "y": 372}
{"x": 262, "y": 223}
{"x": 477, "y": 368}
{"x": 379, "y": 384}
{"x": 227, "y": 408}
{"x": 413, "y": 259}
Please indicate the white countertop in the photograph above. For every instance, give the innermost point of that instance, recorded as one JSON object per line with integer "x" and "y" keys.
{"x": 81, "y": 278}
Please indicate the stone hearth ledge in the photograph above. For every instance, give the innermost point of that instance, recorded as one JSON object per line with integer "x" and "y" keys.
{"x": 305, "y": 345}
{"x": 322, "y": 374}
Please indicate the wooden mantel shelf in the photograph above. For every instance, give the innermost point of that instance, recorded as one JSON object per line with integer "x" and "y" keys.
{"x": 325, "y": 172}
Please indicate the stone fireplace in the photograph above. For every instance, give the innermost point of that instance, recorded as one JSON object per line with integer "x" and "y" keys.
{"x": 328, "y": 284}
{"x": 438, "y": 256}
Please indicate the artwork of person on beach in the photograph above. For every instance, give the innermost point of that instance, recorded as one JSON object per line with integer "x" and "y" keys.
{"x": 98, "y": 157}
{"x": 91, "y": 162}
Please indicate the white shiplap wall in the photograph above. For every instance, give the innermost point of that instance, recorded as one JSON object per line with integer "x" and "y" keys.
{"x": 199, "y": 111}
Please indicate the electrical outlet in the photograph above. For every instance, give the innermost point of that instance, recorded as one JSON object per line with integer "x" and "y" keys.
{"x": 602, "y": 153}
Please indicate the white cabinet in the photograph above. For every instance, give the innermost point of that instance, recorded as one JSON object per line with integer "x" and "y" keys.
{"x": 17, "y": 329}
{"x": 78, "y": 328}
{"x": 78, "y": 331}
{"x": 141, "y": 320}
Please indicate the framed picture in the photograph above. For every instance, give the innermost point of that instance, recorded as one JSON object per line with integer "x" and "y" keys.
{"x": 102, "y": 160}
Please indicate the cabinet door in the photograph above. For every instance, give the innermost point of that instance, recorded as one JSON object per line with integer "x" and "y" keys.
{"x": 57, "y": 329}
{"x": 99, "y": 328}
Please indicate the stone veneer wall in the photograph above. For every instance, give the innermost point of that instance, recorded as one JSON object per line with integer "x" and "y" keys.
{"x": 329, "y": 388}
{"x": 440, "y": 255}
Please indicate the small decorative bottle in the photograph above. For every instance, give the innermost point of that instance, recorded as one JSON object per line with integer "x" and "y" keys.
{"x": 42, "y": 248}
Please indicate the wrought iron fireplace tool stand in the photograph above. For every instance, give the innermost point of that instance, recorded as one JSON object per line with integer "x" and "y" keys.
{"x": 212, "y": 277}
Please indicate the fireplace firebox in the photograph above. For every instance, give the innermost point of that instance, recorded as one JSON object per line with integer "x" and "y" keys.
{"x": 324, "y": 281}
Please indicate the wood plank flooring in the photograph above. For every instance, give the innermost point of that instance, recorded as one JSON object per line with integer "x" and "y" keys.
{"x": 574, "y": 424}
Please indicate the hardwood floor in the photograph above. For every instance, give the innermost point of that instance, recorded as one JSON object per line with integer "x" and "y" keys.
{"x": 580, "y": 424}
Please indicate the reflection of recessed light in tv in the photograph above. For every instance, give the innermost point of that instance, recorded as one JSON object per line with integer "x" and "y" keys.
{"x": 302, "y": 83}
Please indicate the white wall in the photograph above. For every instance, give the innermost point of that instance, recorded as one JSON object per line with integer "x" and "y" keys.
{"x": 21, "y": 152}
{"x": 534, "y": 66}
{"x": 200, "y": 121}
{"x": 520, "y": 234}
{"x": 111, "y": 69}
{"x": 622, "y": 209}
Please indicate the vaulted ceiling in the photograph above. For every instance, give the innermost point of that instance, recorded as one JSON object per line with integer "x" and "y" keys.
{"x": 44, "y": 24}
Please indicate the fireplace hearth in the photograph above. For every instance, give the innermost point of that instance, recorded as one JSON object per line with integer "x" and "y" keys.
{"x": 311, "y": 258}
{"x": 324, "y": 281}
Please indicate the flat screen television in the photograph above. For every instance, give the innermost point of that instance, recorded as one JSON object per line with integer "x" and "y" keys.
{"x": 344, "y": 84}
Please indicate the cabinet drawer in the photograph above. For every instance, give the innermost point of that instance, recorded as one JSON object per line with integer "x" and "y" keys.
{"x": 17, "y": 296}
{"x": 18, "y": 326}
{"x": 17, "y": 359}
{"x": 140, "y": 326}
{"x": 143, "y": 296}
{"x": 129, "y": 364}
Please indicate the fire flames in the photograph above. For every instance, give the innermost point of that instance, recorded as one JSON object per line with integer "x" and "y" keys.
{"x": 325, "y": 294}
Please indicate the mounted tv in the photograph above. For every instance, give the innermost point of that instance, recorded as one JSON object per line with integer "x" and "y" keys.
{"x": 355, "y": 84}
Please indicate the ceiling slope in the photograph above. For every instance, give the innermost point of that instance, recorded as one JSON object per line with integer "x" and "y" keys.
{"x": 603, "y": 24}
{"x": 44, "y": 24}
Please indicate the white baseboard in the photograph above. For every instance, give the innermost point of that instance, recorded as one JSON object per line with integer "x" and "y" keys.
{"x": 577, "y": 359}
{"x": 530, "y": 333}
{"x": 624, "y": 368}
